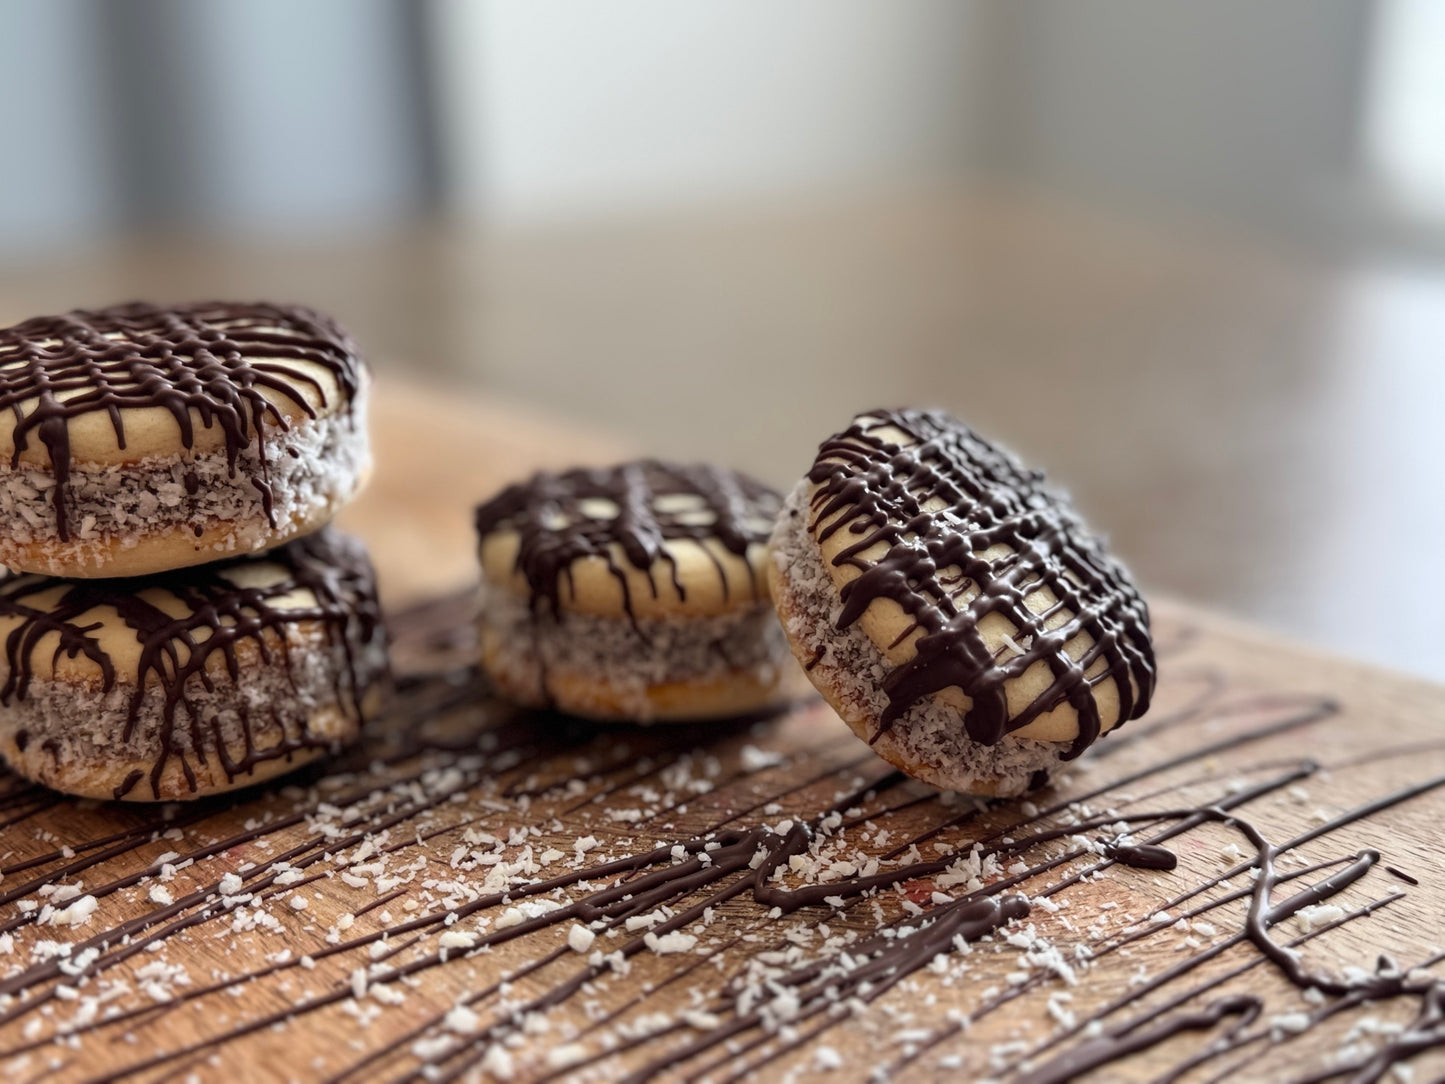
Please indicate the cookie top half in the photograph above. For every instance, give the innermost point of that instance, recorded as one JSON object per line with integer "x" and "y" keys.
{"x": 979, "y": 584}
{"x": 117, "y": 385}
{"x": 201, "y": 622}
{"x": 640, "y": 539}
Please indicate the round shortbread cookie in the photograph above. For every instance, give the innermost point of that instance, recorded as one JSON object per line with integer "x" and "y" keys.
{"x": 634, "y": 592}
{"x": 193, "y": 682}
{"x": 954, "y": 610}
{"x": 137, "y": 439}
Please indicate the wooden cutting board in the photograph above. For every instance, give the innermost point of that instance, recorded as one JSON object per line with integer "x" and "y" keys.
{"x": 478, "y": 893}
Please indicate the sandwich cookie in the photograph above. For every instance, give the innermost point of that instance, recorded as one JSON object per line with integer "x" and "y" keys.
{"x": 954, "y": 611}
{"x": 634, "y": 592}
{"x": 138, "y": 439}
{"x": 193, "y": 682}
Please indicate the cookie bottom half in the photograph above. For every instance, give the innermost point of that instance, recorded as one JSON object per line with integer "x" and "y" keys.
{"x": 169, "y": 512}
{"x": 274, "y": 718}
{"x": 928, "y": 741}
{"x": 653, "y": 670}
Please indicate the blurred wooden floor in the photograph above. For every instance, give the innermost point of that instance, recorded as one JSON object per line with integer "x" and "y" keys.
{"x": 1259, "y": 430}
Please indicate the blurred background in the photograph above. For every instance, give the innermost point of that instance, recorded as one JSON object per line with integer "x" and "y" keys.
{"x": 1189, "y": 257}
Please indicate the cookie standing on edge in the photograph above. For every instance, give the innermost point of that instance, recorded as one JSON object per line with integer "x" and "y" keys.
{"x": 633, "y": 592}
{"x": 955, "y": 612}
{"x": 137, "y": 439}
{"x": 192, "y": 682}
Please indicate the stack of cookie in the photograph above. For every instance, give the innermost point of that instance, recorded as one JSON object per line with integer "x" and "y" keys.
{"x": 180, "y": 620}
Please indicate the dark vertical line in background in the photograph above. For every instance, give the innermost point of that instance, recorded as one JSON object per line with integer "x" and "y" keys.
{"x": 1350, "y": 136}
{"x": 145, "y": 59}
{"x": 158, "y": 103}
{"x": 416, "y": 19}
{"x": 1004, "y": 89}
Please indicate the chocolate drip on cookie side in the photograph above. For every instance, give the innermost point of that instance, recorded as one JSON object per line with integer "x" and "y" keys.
{"x": 938, "y": 502}
{"x": 556, "y": 529}
{"x": 178, "y": 654}
{"x": 216, "y": 359}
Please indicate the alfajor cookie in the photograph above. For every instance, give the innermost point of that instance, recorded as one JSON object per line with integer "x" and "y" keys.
{"x": 634, "y": 592}
{"x": 136, "y": 439}
{"x": 188, "y": 683}
{"x": 954, "y": 611}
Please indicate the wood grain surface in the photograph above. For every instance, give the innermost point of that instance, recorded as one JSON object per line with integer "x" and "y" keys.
{"x": 376, "y": 919}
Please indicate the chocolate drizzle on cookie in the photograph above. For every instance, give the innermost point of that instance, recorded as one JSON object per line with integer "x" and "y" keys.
{"x": 939, "y": 498}
{"x": 216, "y": 360}
{"x": 182, "y": 655}
{"x": 633, "y": 508}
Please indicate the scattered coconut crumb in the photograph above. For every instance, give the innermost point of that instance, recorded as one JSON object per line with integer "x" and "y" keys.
{"x": 755, "y": 760}
{"x": 670, "y": 943}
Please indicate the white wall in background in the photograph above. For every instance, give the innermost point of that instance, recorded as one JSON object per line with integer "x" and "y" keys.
{"x": 303, "y": 116}
{"x": 1405, "y": 119}
{"x": 1231, "y": 107}
{"x": 558, "y": 108}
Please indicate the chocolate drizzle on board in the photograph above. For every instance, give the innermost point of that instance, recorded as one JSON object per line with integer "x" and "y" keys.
{"x": 1145, "y": 857}
{"x": 644, "y": 505}
{"x": 938, "y": 497}
{"x": 215, "y": 360}
{"x": 1218, "y": 763}
{"x": 179, "y": 655}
